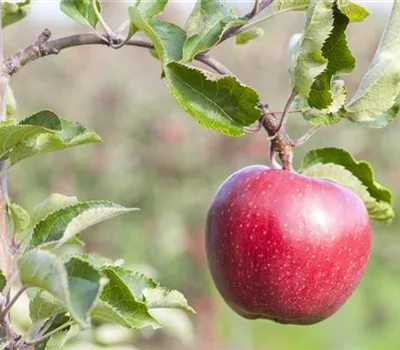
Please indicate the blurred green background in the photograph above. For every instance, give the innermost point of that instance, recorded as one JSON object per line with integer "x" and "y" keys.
{"x": 157, "y": 158}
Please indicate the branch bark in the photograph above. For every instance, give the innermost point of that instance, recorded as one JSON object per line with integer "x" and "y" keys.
{"x": 43, "y": 47}
{"x": 6, "y": 259}
{"x": 6, "y": 256}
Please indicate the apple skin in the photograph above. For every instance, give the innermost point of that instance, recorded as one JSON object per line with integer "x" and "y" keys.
{"x": 286, "y": 247}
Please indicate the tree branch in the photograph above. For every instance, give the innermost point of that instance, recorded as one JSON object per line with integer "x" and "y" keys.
{"x": 214, "y": 64}
{"x": 6, "y": 310}
{"x": 6, "y": 259}
{"x": 43, "y": 47}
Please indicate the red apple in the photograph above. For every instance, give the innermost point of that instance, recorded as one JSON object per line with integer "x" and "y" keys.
{"x": 286, "y": 247}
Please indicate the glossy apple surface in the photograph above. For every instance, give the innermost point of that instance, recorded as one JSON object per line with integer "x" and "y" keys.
{"x": 286, "y": 247}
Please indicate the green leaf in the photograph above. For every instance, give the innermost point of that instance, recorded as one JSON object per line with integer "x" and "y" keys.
{"x": 3, "y": 281}
{"x": 84, "y": 286}
{"x": 148, "y": 291}
{"x": 196, "y": 18}
{"x": 377, "y": 198}
{"x": 380, "y": 86}
{"x": 111, "y": 314}
{"x": 135, "y": 281}
{"x": 249, "y": 35}
{"x": 13, "y": 134}
{"x": 161, "y": 298}
{"x": 45, "y": 118}
{"x": 44, "y": 305}
{"x": 285, "y": 4}
{"x": 168, "y": 38}
{"x": 72, "y": 134}
{"x": 152, "y": 8}
{"x": 81, "y": 11}
{"x": 76, "y": 240}
{"x": 58, "y": 340}
{"x": 218, "y": 103}
{"x": 307, "y": 60}
{"x": 172, "y": 38}
{"x": 58, "y": 227}
{"x": 380, "y": 211}
{"x": 129, "y": 290}
{"x": 202, "y": 13}
{"x": 12, "y": 12}
{"x": 126, "y": 298}
{"x": 118, "y": 304}
{"x": 355, "y": 12}
{"x": 94, "y": 260}
{"x": 208, "y": 21}
{"x": 19, "y": 216}
{"x": 210, "y": 35}
{"x": 55, "y": 202}
{"x": 41, "y": 328}
{"x": 340, "y": 61}
{"x": 11, "y": 103}
{"x": 328, "y": 116}
{"x": 42, "y": 269}
{"x": 148, "y": 10}
{"x": 385, "y": 118}
{"x": 76, "y": 284}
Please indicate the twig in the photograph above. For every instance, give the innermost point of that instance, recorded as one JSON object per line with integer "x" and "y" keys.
{"x": 6, "y": 310}
{"x": 282, "y": 123}
{"x": 263, "y": 5}
{"x": 255, "y": 129}
{"x": 41, "y": 339}
{"x": 122, "y": 27}
{"x": 10, "y": 281}
{"x": 24, "y": 238}
{"x": 267, "y": 17}
{"x": 254, "y": 11}
{"x": 214, "y": 64}
{"x": 46, "y": 326}
{"x": 290, "y": 112}
{"x": 30, "y": 330}
{"x": 232, "y": 31}
{"x": 102, "y": 22}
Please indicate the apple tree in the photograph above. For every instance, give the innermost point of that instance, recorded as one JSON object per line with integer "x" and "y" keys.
{"x": 301, "y": 236}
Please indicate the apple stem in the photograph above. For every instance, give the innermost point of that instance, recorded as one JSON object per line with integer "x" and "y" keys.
{"x": 280, "y": 140}
{"x": 272, "y": 157}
